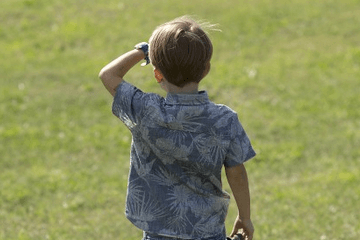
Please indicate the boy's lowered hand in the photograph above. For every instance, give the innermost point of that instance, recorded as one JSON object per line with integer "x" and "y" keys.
{"x": 245, "y": 225}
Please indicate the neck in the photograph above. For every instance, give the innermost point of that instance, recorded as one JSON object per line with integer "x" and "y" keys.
{"x": 190, "y": 88}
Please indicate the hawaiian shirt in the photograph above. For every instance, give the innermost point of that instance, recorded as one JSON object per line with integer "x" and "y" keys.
{"x": 179, "y": 145}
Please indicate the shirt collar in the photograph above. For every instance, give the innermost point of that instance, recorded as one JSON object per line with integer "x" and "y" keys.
{"x": 187, "y": 99}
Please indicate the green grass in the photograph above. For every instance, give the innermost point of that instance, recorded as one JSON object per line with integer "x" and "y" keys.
{"x": 290, "y": 68}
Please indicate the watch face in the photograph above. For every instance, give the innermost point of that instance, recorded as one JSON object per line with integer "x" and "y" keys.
{"x": 143, "y": 46}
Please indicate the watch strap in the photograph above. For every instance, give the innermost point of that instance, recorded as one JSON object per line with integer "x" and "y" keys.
{"x": 143, "y": 46}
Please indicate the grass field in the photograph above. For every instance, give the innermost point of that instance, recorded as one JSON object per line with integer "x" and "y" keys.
{"x": 290, "y": 68}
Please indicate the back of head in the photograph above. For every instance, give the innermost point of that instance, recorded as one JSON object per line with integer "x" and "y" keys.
{"x": 181, "y": 50}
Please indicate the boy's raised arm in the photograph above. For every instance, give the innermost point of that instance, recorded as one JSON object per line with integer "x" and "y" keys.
{"x": 238, "y": 181}
{"x": 112, "y": 74}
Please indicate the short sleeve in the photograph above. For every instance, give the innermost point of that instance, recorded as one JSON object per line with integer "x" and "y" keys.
{"x": 240, "y": 148}
{"x": 128, "y": 104}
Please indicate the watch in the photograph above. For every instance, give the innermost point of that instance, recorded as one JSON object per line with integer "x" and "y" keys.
{"x": 145, "y": 48}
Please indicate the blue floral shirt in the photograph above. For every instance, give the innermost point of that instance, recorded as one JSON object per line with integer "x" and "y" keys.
{"x": 180, "y": 144}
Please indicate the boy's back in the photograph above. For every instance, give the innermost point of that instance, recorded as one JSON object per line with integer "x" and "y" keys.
{"x": 180, "y": 144}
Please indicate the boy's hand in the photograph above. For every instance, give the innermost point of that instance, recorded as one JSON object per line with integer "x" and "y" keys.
{"x": 245, "y": 225}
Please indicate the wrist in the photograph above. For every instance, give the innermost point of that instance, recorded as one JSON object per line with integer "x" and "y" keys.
{"x": 244, "y": 216}
{"x": 144, "y": 47}
{"x": 244, "y": 219}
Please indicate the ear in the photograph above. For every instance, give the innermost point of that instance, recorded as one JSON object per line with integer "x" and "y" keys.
{"x": 158, "y": 75}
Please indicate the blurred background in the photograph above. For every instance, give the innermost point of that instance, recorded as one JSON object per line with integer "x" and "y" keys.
{"x": 291, "y": 69}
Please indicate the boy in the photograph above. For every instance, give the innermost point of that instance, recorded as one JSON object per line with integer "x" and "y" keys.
{"x": 180, "y": 142}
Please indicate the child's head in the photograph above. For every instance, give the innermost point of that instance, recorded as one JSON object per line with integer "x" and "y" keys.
{"x": 181, "y": 51}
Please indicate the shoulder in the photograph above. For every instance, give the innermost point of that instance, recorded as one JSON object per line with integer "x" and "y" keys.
{"x": 131, "y": 104}
{"x": 221, "y": 110}
{"x": 223, "y": 117}
{"x": 226, "y": 109}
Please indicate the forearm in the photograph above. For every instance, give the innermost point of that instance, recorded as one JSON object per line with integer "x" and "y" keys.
{"x": 112, "y": 74}
{"x": 238, "y": 181}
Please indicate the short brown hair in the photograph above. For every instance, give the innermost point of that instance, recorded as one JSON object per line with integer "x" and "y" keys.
{"x": 181, "y": 50}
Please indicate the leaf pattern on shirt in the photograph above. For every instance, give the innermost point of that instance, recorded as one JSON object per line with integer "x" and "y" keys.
{"x": 145, "y": 209}
{"x": 174, "y": 151}
{"x": 211, "y": 147}
{"x": 135, "y": 194}
{"x": 176, "y": 223}
{"x": 212, "y": 222}
{"x": 143, "y": 169}
{"x": 179, "y": 197}
{"x": 224, "y": 120}
{"x": 164, "y": 177}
